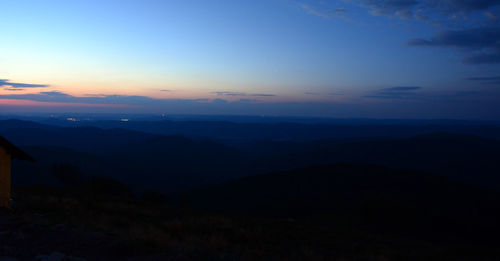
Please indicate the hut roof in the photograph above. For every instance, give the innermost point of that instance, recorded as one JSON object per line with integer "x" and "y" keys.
{"x": 14, "y": 151}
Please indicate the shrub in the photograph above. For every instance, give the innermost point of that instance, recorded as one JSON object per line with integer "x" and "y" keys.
{"x": 153, "y": 197}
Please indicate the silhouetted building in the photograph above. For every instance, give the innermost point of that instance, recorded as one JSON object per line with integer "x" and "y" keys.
{"x": 7, "y": 152}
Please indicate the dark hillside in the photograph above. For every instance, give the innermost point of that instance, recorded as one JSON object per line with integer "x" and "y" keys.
{"x": 376, "y": 198}
{"x": 463, "y": 157}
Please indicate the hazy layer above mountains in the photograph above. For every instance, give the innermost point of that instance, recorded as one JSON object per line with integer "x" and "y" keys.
{"x": 237, "y": 129}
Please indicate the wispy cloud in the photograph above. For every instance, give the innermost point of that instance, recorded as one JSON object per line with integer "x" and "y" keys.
{"x": 473, "y": 25}
{"x": 17, "y": 86}
{"x": 248, "y": 100}
{"x": 400, "y": 8}
{"x": 444, "y": 11}
{"x": 13, "y": 89}
{"x": 401, "y": 89}
{"x": 327, "y": 14}
{"x": 398, "y": 92}
{"x": 420, "y": 105}
{"x": 482, "y": 44}
{"x": 242, "y": 94}
{"x": 422, "y": 9}
{"x": 57, "y": 96}
{"x": 324, "y": 94}
{"x": 486, "y": 80}
{"x": 61, "y": 97}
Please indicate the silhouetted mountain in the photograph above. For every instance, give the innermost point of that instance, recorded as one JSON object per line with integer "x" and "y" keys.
{"x": 13, "y": 125}
{"x": 463, "y": 157}
{"x": 169, "y": 163}
{"x": 284, "y": 129}
{"x": 163, "y": 163}
{"x": 173, "y": 162}
{"x": 87, "y": 139}
{"x": 41, "y": 172}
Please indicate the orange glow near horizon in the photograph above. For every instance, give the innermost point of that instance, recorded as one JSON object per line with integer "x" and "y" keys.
{"x": 29, "y": 103}
{"x": 208, "y": 92}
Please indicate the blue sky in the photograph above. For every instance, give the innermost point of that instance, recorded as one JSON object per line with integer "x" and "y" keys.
{"x": 356, "y": 58}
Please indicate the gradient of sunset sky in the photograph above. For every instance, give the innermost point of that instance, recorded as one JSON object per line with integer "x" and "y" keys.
{"x": 366, "y": 58}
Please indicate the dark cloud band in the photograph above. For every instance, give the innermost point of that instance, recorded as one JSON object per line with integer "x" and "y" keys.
{"x": 482, "y": 44}
{"x": 16, "y": 86}
{"x": 242, "y": 94}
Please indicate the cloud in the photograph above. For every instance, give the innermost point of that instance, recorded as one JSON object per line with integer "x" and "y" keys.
{"x": 57, "y": 96}
{"x": 444, "y": 105}
{"x": 491, "y": 16}
{"x": 398, "y": 92}
{"x": 262, "y": 95}
{"x": 17, "y": 86}
{"x": 423, "y": 9}
{"x": 229, "y": 93}
{"x": 61, "y": 97}
{"x": 219, "y": 101}
{"x": 327, "y": 13}
{"x": 327, "y": 94}
{"x": 438, "y": 12}
{"x": 13, "y": 89}
{"x": 412, "y": 93}
{"x": 165, "y": 90}
{"x": 249, "y": 100}
{"x": 400, "y": 8}
{"x": 466, "y": 5}
{"x": 482, "y": 44}
{"x": 479, "y": 32}
{"x": 493, "y": 78}
{"x": 484, "y": 58}
{"x": 473, "y": 39}
{"x": 486, "y": 80}
{"x": 473, "y": 25}
{"x": 401, "y": 88}
{"x": 338, "y": 93}
{"x": 242, "y": 94}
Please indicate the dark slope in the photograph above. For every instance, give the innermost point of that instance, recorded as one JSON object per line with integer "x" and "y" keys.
{"x": 13, "y": 125}
{"x": 362, "y": 196}
{"x": 166, "y": 163}
{"x": 86, "y": 139}
{"x": 172, "y": 163}
{"x": 41, "y": 171}
{"x": 463, "y": 157}
{"x": 281, "y": 130}
{"x": 163, "y": 163}
{"x": 175, "y": 162}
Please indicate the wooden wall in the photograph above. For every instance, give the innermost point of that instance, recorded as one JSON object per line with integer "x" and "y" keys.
{"x": 5, "y": 178}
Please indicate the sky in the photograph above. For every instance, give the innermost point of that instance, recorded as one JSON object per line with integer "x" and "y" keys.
{"x": 339, "y": 58}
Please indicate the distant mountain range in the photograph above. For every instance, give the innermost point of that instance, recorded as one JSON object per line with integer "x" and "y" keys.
{"x": 171, "y": 163}
{"x": 408, "y": 191}
{"x": 244, "y": 129}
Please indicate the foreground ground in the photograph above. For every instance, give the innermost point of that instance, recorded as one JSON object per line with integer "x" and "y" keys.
{"x": 87, "y": 226}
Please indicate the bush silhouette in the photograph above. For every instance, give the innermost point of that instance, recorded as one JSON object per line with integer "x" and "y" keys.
{"x": 109, "y": 187}
{"x": 153, "y": 197}
{"x": 68, "y": 174}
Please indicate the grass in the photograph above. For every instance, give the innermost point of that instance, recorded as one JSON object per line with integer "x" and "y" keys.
{"x": 150, "y": 228}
